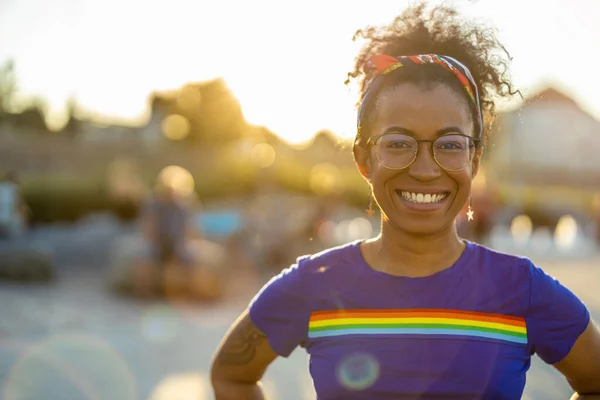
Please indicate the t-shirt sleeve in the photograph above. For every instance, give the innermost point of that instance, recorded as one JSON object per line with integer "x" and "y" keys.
{"x": 556, "y": 317}
{"x": 281, "y": 310}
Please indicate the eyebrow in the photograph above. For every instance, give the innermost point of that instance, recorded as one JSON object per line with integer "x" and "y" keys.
{"x": 441, "y": 132}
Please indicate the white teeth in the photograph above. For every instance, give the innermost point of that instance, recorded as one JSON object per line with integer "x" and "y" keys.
{"x": 421, "y": 198}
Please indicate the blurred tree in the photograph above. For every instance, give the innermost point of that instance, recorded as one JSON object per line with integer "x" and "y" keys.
{"x": 8, "y": 87}
{"x": 73, "y": 126}
{"x": 31, "y": 117}
{"x": 325, "y": 137}
{"x": 220, "y": 120}
{"x": 214, "y": 114}
{"x": 325, "y": 146}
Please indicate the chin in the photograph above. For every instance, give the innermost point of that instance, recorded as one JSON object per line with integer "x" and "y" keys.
{"x": 421, "y": 228}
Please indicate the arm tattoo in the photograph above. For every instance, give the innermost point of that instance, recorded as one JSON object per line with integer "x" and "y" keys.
{"x": 240, "y": 345}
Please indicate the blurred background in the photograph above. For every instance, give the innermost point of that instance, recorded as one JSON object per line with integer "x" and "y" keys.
{"x": 139, "y": 138}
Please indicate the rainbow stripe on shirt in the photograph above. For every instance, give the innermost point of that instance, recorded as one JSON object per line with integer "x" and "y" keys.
{"x": 417, "y": 323}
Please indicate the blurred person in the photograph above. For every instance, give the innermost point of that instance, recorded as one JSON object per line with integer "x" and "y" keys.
{"x": 13, "y": 208}
{"x": 171, "y": 266}
{"x": 416, "y": 312}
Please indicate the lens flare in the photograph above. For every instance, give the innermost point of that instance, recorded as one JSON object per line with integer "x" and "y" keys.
{"x": 358, "y": 371}
{"x": 77, "y": 365}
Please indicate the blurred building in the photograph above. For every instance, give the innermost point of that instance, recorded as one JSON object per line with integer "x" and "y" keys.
{"x": 543, "y": 161}
{"x": 549, "y": 136}
{"x": 27, "y": 122}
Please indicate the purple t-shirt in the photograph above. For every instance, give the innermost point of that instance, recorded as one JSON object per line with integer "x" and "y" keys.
{"x": 467, "y": 332}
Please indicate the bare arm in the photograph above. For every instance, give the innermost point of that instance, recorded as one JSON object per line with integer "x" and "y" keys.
{"x": 240, "y": 362}
{"x": 581, "y": 366}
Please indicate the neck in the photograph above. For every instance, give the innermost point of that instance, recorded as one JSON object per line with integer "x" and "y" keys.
{"x": 401, "y": 253}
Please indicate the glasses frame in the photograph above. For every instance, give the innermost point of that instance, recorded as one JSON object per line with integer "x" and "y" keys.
{"x": 373, "y": 141}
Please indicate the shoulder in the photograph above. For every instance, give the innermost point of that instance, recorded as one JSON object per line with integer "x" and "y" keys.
{"x": 322, "y": 272}
{"x": 500, "y": 276}
{"x": 311, "y": 277}
{"x": 497, "y": 263}
{"x": 333, "y": 267}
{"x": 516, "y": 274}
{"x": 327, "y": 259}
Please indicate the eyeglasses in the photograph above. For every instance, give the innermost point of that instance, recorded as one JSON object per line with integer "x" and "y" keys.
{"x": 452, "y": 152}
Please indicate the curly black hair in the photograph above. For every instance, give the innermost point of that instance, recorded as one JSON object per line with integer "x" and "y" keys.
{"x": 439, "y": 30}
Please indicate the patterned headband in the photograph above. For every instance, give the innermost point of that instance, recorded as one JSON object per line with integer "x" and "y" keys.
{"x": 382, "y": 64}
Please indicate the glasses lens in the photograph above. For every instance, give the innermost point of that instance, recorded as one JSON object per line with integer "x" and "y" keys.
{"x": 396, "y": 151}
{"x": 454, "y": 152}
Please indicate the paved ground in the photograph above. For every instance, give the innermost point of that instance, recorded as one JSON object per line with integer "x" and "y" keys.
{"x": 73, "y": 340}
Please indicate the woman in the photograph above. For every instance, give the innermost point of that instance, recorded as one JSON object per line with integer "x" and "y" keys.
{"x": 416, "y": 312}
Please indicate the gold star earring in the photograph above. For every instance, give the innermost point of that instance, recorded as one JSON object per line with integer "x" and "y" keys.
{"x": 470, "y": 212}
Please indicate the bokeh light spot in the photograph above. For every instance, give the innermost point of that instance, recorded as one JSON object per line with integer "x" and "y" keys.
{"x": 358, "y": 371}
{"x": 565, "y": 233}
{"x": 325, "y": 179}
{"x": 359, "y": 228}
{"x": 263, "y": 155}
{"x": 176, "y": 127}
{"x": 190, "y": 386}
{"x": 177, "y": 178}
{"x": 327, "y": 232}
{"x": 521, "y": 229}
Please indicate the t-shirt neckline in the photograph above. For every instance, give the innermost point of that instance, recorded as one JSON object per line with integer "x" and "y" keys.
{"x": 449, "y": 273}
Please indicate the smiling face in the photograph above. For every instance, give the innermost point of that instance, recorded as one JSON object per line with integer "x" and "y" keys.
{"x": 422, "y": 198}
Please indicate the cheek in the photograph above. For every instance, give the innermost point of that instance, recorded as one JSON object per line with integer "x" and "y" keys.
{"x": 378, "y": 180}
{"x": 463, "y": 180}
{"x": 380, "y": 175}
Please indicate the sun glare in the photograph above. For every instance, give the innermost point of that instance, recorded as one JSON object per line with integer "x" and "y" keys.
{"x": 287, "y": 71}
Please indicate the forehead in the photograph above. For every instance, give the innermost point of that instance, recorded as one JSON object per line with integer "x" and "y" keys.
{"x": 422, "y": 110}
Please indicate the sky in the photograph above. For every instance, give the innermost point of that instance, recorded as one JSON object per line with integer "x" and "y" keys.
{"x": 286, "y": 61}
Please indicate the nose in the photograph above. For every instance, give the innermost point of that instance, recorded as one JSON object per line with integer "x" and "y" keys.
{"x": 424, "y": 168}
